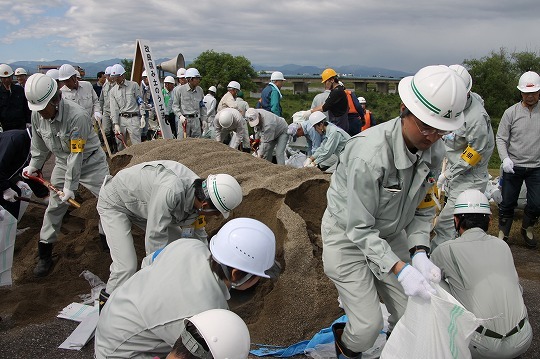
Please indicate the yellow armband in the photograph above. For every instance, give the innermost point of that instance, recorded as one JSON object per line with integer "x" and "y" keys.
{"x": 200, "y": 222}
{"x": 77, "y": 145}
{"x": 471, "y": 156}
{"x": 429, "y": 199}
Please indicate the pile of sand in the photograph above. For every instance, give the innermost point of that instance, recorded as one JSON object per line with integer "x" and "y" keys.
{"x": 290, "y": 201}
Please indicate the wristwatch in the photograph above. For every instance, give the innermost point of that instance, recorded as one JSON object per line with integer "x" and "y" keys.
{"x": 414, "y": 249}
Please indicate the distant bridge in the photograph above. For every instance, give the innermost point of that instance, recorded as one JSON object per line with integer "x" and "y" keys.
{"x": 300, "y": 83}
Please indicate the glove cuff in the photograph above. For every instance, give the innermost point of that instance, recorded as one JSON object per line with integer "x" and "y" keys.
{"x": 401, "y": 270}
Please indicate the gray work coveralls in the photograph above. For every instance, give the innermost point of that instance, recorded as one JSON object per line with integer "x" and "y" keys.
{"x": 370, "y": 223}
{"x": 144, "y": 317}
{"x": 156, "y": 196}
{"x": 88, "y": 167}
{"x": 272, "y": 130}
{"x": 189, "y": 103}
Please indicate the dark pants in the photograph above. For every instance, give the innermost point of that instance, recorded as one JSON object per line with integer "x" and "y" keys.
{"x": 511, "y": 186}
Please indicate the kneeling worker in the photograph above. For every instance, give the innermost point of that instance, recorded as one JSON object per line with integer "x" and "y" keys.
{"x": 159, "y": 197}
{"x": 481, "y": 275}
{"x": 146, "y": 314}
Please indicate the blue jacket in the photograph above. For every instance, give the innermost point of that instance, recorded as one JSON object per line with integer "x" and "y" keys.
{"x": 271, "y": 99}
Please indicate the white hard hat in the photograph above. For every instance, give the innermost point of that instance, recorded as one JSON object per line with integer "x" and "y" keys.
{"x": 5, "y": 70}
{"x": 169, "y": 79}
{"x": 225, "y": 118}
{"x": 117, "y": 70}
{"x": 472, "y": 201}
{"x": 20, "y": 71}
{"x": 276, "y": 75}
{"x": 108, "y": 70}
{"x": 361, "y": 100}
{"x": 234, "y": 85}
{"x": 252, "y": 116}
{"x": 224, "y": 192}
{"x": 181, "y": 73}
{"x": 225, "y": 333}
{"x": 436, "y": 95}
{"x": 464, "y": 74}
{"x": 316, "y": 117}
{"x": 245, "y": 244}
{"x": 213, "y": 89}
{"x": 53, "y": 73}
{"x": 529, "y": 82}
{"x": 192, "y": 72}
{"x": 39, "y": 90}
{"x": 144, "y": 74}
{"x": 66, "y": 71}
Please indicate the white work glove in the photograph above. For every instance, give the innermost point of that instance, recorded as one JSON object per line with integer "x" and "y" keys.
{"x": 306, "y": 114}
{"x": 31, "y": 171}
{"x": 508, "y": 165}
{"x": 67, "y": 195}
{"x": 414, "y": 284}
{"x": 308, "y": 162}
{"x": 441, "y": 181}
{"x": 117, "y": 129}
{"x": 98, "y": 116}
{"x": 9, "y": 195}
{"x": 429, "y": 270}
{"x": 181, "y": 119}
{"x": 143, "y": 121}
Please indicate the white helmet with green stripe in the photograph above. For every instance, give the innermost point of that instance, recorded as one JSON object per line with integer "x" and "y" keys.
{"x": 436, "y": 95}
{"x": 472, "y": 201}
{"x": 224, "y": 192}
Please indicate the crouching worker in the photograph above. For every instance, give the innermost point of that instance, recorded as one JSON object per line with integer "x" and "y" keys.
{"x": 167, "y": 200}
{"x": 334, "y": 140}
{"x": 216, "y": 333}
{"x": 481, "y": 275}
{"x": 144, "y": 317}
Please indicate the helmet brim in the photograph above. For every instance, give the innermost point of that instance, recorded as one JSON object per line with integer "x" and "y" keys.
{"x": 429, "y": 118}
{"x": 528, "y": 89}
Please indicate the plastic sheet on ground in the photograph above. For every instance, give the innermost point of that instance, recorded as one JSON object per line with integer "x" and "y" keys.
{"x": 321, "y": 346}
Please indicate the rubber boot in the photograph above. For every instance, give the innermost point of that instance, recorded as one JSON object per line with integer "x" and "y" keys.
{"x": 104, "y": 245}
{"x": 45, "y": 259}
{"x": 527, "y": 231}
{"x": 505, "y": 224}
{"x": 341, "y": 350}
{"x": 103, "y": 298}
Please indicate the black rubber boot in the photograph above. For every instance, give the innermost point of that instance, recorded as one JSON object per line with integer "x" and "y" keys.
{"x": 104, "y": 244}
{"x": 341, "y": 350}
{"x": 103, "y": 298}
{"x": 526, "y": 231}
{"x": 45, "y": 262}
{"x": 505, "y": 224}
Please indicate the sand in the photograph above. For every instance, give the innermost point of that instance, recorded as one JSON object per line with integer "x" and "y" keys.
{"x": 290, "y": 201}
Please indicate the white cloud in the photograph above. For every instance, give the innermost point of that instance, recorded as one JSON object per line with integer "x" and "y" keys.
{"x": 392, "y": 34}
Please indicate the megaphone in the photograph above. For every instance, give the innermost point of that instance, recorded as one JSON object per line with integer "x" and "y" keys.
{"x": 173, "y": 64}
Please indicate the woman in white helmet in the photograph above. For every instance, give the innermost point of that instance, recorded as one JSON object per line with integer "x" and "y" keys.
{"x": 166, "y": 199}
{"x": 144, "y": 316}
{"x": 377, "y": 214}
{"x": 481, "y": 275}
{"x": 216, "y": 333}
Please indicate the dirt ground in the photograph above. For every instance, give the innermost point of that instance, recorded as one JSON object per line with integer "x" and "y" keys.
{"x": 290, "y": 201}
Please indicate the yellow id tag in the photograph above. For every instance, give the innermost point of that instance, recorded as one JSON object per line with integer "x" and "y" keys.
{"x": 471, "y": 156}
{"x": 77, "y": 145}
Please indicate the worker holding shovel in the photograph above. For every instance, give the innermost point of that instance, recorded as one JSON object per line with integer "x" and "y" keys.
{"x": 64, "y": 129}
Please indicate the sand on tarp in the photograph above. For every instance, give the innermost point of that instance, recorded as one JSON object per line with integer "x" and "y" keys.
{"x": 290, "y": 201}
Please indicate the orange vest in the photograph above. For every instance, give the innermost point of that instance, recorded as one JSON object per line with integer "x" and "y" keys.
{"x": 367, "y": 120}
{"x": 352, "y": 109}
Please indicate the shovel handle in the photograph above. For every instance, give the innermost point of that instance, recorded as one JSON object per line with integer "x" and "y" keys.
{"x": 39, "y": 178}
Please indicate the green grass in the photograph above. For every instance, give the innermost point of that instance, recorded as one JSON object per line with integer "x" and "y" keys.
{"x": 383, "y": 106}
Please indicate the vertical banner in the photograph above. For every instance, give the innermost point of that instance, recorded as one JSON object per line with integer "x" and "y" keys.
{"x": 143, "y": 60}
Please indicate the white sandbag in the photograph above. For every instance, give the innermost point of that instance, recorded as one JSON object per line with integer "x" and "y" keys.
{"x": 441, "y": 328}
{"x": 296, "y": 160}
{"x": 8, "y": 230}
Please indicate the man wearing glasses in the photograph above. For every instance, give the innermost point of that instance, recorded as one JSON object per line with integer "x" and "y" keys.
{"x": 188, "y": 104}
{"x": 378, "y": 215}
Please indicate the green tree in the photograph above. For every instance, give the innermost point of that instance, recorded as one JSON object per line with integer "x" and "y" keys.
{"x": 128, "y": 65}
{"x": 219, "y": 69}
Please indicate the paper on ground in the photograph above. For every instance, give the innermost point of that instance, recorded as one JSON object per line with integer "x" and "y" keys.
{"x": 77, "y": 312}
{"x": 83, "y": 333}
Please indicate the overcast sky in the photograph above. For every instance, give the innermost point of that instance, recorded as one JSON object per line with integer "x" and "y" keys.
{"x": 394, "y": 34}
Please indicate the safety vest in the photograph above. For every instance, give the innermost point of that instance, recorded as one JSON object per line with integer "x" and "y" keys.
{"x": 367, "y": 120}
{"x": 352, "y": 108}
